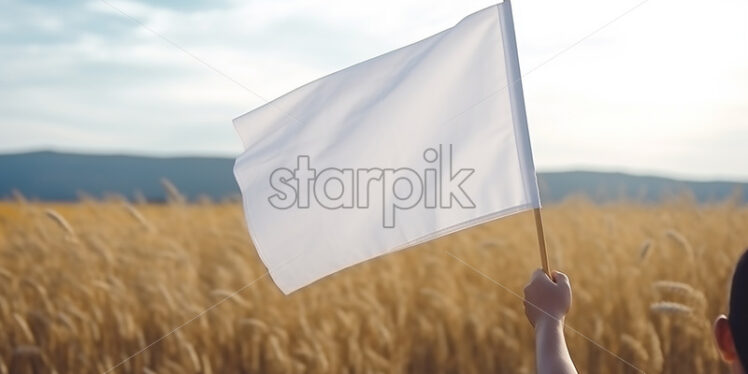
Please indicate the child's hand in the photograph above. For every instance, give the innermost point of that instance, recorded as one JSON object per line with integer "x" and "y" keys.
{"x": 547, "y": 300}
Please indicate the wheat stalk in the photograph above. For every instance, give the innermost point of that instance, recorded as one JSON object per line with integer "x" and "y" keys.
{"x": 60, "y": 221}
{"x": 135, "y": 213}
{"x": 172, "y": 192}
{"x": 682, "y": 241}
{"x": 671, "y": 308}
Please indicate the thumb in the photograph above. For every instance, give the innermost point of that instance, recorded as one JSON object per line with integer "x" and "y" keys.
{"x": 561, "y": 278}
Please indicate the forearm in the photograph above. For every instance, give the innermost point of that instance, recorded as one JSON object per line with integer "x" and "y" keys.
{"x": 552, "y": 355}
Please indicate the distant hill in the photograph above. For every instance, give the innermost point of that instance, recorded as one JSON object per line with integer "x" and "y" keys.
{"x": 616, "y": 186}
{"x": 63, "y": 177}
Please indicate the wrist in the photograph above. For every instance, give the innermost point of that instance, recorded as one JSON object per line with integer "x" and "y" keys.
{"x": 549, "y": 323}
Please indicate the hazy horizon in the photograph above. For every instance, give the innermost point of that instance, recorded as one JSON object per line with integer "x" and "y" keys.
{"x": 569, "y": 169}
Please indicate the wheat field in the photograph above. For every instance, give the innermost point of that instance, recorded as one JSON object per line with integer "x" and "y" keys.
{"x": 84, "y": 286}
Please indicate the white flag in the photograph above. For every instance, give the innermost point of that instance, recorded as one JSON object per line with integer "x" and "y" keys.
{"x": 400, "y": 149}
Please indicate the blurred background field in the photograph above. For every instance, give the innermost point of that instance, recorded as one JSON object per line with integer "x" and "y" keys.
{"x": 86, "y": 285}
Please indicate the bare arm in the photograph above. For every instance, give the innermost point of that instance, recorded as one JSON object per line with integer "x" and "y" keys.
{"x": 546, "y": 305}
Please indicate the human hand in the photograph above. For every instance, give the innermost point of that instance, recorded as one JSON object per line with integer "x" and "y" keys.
{"x": 546, "y": 299}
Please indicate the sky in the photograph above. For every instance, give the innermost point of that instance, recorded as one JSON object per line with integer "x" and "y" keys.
{"x": 662, "y": 90}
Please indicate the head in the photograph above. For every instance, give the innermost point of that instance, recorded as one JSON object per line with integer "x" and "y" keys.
{"x": 731, "y": 331}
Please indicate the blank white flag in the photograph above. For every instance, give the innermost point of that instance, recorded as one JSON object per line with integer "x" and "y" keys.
{"x": 400, "y": 149}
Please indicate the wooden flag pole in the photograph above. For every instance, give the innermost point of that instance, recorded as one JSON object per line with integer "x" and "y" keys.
{"x": 541, "y": 242}
{"x": 516, "y": 98}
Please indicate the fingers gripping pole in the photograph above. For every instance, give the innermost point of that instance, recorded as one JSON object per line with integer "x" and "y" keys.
{"x": 541, "y": 242}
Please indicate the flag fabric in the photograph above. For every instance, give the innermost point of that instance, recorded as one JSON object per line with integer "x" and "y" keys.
{"x": 394, "y": 151}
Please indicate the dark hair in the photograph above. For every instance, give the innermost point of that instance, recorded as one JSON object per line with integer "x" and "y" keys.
{"x": 738, "y": 313}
